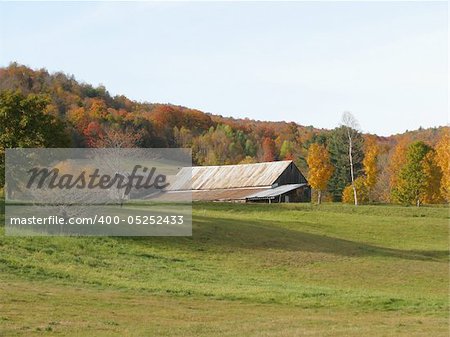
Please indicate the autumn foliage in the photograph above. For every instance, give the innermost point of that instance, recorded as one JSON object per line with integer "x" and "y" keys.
{"x": 397, "y": 160}
{"x": 268, "y": 148}
{"x": 362, "y": 192}
{"x": 371, "y": 152}
{"x": 43, "y": 109}
{"x": 443, "y": 160}
{"x": 320, "y": 168}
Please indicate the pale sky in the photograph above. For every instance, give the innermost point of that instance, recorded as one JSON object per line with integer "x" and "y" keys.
{"x": 386, "y": 62}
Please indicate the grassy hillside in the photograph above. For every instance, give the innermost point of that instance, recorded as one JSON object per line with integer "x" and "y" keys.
{"x": 248, "y": 270}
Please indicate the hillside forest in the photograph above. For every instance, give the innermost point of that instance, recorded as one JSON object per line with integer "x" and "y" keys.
{"x": 42, "y": 109}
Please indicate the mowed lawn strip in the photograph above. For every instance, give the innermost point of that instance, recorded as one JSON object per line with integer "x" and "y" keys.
{"x": 294, "y": 263}
{"x": 30, "y": 308}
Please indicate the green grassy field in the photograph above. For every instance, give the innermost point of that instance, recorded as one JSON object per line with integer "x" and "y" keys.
{"x": 248, "y": 270}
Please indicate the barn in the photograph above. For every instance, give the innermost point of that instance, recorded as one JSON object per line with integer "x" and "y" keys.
{"x": 279, "y": 181}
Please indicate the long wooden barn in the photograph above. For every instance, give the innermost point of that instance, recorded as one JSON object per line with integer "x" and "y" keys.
{"x": 269, "y": 182}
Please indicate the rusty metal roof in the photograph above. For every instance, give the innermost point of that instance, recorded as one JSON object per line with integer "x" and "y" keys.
{"x": 274, "y": 192}
{"x": 228, "y": 194}
{"x": 228, "y": 176}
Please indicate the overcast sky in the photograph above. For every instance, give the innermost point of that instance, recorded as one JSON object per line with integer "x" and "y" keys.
{"x": 307, "y": 62}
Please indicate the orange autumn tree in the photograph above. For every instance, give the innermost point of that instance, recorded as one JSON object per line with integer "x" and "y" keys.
{"x": 320, "y": 168}
{"x": 268, "y": 147}
{"x": 443, "y": 160}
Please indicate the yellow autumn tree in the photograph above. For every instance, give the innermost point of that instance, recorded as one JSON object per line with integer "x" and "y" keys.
{"x": 371, "y": 152}
{"x": 433, "y": 176}
{"x": 362, "y": 191}
{"x": 397, "y": 160}
{"x": 320, "y": 168}
{"x": 443, "y": 160}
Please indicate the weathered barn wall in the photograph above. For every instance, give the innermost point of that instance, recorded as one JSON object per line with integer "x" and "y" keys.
{"x": 291, "y": 175}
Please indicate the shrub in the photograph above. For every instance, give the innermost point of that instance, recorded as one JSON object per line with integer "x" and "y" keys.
{"x": 362, "y": 192}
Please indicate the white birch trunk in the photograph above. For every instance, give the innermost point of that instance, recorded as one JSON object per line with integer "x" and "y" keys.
{"x": 350, "y": 156}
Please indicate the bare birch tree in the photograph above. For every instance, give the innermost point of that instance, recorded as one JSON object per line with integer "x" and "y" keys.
{"x": 112, "y": 148}
{"x": 351, "y": 126}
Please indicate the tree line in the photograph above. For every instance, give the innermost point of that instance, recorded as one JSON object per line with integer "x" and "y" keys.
{"x": 39, "y": 109}
{"x": 356, "y": 168}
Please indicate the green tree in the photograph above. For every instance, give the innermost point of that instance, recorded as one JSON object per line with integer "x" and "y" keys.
{"x": 25, "y": 123}
{"x": 250, "y": 148}
{"x": 338, "y": 148}
{"x": 287, "y": 150}
{"x": 414, "y": 178}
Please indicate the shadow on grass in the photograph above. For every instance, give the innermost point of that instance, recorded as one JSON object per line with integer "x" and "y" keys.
{"x": 214, "y": 232}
